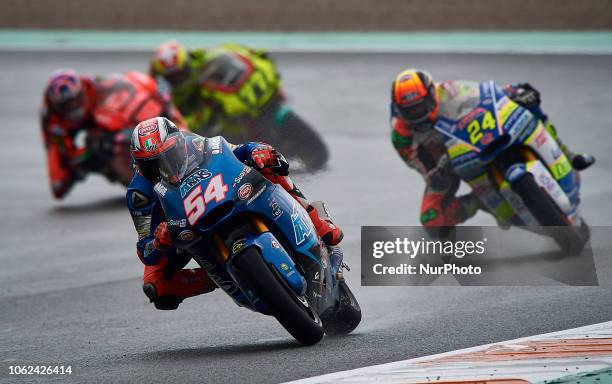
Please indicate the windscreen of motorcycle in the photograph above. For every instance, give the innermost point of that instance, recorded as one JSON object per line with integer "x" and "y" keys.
{"x": 172, "y": 162}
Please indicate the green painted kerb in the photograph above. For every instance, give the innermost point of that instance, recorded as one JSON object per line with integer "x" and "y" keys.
{"x": 588, "y": 42}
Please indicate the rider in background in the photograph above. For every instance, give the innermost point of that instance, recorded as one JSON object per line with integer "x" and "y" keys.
{"x": 416, "y": 104}
{"x": 157, "y": 145}
{"x": 205, "y": 104}
{"x": 74, "y": 103}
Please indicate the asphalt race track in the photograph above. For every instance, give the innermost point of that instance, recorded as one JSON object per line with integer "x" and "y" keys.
{"x": 70, "y": 280}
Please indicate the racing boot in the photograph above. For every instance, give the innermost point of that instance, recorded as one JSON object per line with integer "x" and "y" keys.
{"x": 166, "y": 293}
{"x": 329, "y": 233}
{"x": 337, "y": 257}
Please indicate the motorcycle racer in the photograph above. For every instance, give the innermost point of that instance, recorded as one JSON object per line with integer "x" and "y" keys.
{"x": 416, "y": 104}
{"x": 208, "y": 103}
{"x": 161, "y": 151}
{"x": 74, "y": 103}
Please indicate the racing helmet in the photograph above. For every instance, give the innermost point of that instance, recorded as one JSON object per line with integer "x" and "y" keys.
{"x": 414, "y": 95}
{"x": 171, "y": 60}
{"x": 65, "y": 95}
{"x": 159, "y": 150}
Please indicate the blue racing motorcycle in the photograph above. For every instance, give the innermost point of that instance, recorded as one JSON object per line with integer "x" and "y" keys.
{"x": 258, "y": 244}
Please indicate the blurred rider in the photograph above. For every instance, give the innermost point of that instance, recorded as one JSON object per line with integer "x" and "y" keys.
{"x": 205, "y": 100}
{"x": 73, "y": 103}
{"x": 416, "y": 104}
{"x": 162, "y": 152}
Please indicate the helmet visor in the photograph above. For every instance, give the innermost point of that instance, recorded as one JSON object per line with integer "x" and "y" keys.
{"x": 169, "y": 165}
{"x": 420, "y": 110}
{"x": 172, "y": 161}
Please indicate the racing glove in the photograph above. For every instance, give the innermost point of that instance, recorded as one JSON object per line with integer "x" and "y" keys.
{"x": 525, "y": 95}
{"x": 440, "y": 176}
{"x": 162, "y": 239}
{"x": 265, "y": 156}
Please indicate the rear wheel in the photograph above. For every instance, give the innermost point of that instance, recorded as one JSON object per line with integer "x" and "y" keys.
{"x": 301, "y": 141}
{"x": 294, "y": 313}
{"x": 571, "y": 239}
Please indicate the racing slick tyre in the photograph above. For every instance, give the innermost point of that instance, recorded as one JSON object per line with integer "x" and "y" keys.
{"x": 571, "y": 239}
{"x": 294, "y": 313}
{"x": 348, "y": 315}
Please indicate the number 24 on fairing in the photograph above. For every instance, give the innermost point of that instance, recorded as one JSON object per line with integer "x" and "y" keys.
{"x": 195, "y": 203}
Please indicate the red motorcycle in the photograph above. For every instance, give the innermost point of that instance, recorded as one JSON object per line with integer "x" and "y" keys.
{"x": 124, "y": 100}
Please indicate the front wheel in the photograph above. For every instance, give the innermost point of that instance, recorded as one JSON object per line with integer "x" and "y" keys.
{"x": 348, "y": 315}
{"x": 294, "y": 313}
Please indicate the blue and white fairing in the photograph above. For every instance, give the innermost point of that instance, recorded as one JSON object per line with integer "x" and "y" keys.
{"x": 493, "y": 124}
{"x": 217, "y": 189}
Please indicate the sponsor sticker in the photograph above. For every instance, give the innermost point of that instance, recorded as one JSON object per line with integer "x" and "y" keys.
{"x": 275, "y": 244}
{"x": 245, "y": 190}
{"x": 301, "y": 229}
{"x": 148, "y": 128}
{"x": 193, "y": 180}
{"x": 284, "y": 267}
{"x": 160, "y": 189}
{"x": 186, "y": 235}
{"x": 276, "y": 209}
{"x": 245, "y": 171}
{"x": 178, "y": 223}
{"x": 237, "y": 246}
{"x": 215, "y": 145}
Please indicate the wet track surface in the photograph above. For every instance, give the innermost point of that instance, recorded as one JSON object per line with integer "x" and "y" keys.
{"x": 70, "y": 280}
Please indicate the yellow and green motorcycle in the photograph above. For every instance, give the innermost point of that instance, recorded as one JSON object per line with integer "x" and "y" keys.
{"x": 237, "y": 93}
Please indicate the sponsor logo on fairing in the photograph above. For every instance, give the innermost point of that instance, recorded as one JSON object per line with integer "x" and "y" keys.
{"x": 238, "y": 245}
{"x": 276, "y": 209}
{"x": 193, "y": 180}
{"x": 186, "y": 235}
{"x": 284, "y": 267}
{"x": 245, "y": 190}
{"x": 301, "y": 229}
{"x": 275, "y": 244}
{"x": 245, "y": 171}
{"x": 177, "y": 223}
{"x": 215, "y": 145}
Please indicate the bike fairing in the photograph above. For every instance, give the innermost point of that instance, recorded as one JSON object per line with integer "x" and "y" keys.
{"x": 490, "y": 117}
